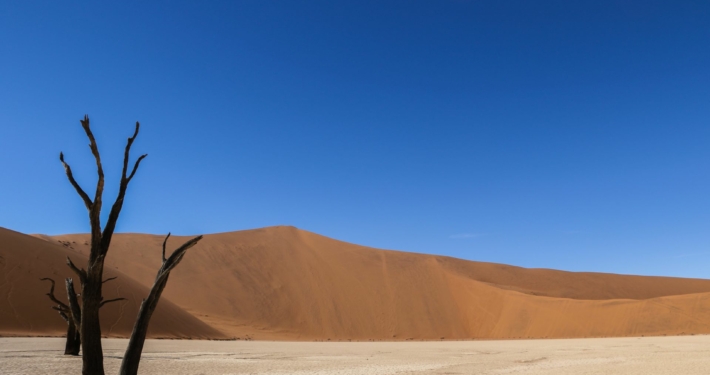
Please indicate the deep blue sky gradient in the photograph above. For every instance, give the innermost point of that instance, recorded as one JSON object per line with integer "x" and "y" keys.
{"x": 558, "y": 134}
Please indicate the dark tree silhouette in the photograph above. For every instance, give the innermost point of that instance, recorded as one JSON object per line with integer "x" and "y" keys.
{"x": 73, "y": 343}
{"x": 71, "y": 314}
{"x": 132, "y": 358}
{"x": 91, "y": 277}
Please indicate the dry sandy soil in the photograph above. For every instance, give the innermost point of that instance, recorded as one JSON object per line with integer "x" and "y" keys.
{"x": 685, "y": 355}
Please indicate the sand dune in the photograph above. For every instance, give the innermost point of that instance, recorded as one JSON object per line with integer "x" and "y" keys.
{"x": 286, "y": 283}
{"x": 25, "y": 310}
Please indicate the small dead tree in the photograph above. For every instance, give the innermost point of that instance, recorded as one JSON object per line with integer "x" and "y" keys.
{"x": 73, "y": 343}
{"x": 71, "y": 314}
{"x": 91, "y": 277}
{"x": 132, "y": 358}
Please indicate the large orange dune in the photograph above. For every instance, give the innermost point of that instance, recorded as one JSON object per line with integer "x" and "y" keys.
{"x": 286, "y": 283}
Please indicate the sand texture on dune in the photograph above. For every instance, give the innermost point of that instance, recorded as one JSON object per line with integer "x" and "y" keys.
{"x": 286, "y": 283}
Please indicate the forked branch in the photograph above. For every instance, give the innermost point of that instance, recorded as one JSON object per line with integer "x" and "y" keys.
{"x": 125, "y": 179}
{"x": 176, "y": 257}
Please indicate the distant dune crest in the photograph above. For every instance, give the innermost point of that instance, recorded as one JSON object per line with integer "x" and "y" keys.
{"x": 285, "y": 283}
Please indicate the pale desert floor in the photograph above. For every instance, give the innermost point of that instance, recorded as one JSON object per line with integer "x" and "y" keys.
{"x": 651, "y": 355}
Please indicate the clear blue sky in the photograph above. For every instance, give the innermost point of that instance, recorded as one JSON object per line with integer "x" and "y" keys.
{"x": 570, "y": 135}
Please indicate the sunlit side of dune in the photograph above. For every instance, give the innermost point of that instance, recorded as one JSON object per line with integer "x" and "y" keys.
{"x": 286, "y": 283}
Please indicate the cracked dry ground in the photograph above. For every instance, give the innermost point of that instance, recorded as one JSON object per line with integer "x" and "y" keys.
{"x": 685, "y": 355}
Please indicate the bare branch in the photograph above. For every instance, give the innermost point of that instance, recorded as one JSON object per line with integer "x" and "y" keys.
{"x": 51, "y": 288}
{"x": 135, "y": 167}
{"x": 65, "y": 317}
{"x": 109, "y": 279}
{"x": 51, "y": 296}
{"x": 87, "y": 201}
{"x": 73, "y": 303}
{"x": 80, "y": 272}
{"x": 111, "y": 300}
{"x": 95, "y": 211}
{"x": 60, "y": 309}
{"x": 165, "y": 243}
{"x": 97, "y": 156}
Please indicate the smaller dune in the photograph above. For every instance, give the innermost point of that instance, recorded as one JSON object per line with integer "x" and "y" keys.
{"x": 25, "y": 310}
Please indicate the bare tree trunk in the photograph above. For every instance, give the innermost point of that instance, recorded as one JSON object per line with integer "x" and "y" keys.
{"x": 93, "y": 356}
{"x": 73, "y": 344}
{"x": 132, "y": 358}
{"x": 73, "y": 303}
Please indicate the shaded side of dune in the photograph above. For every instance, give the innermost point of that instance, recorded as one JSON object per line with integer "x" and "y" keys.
{"x": 25, "y": 310}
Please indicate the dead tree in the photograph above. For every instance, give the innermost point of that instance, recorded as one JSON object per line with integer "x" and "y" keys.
{"x": 131, "y": 360}
{"x": 73, "y": 343}
{"x": 71, "y": 314}
{"x": 91, "y": 277}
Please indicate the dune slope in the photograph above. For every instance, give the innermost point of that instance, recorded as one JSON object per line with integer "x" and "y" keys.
{"x": 286, "y": 283}
{"x": 25, "y": 310}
